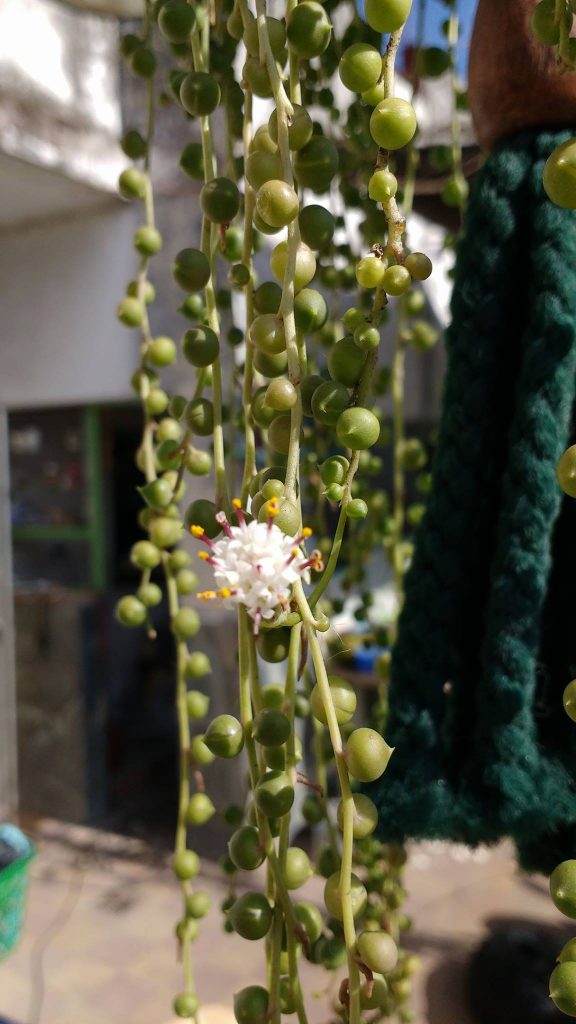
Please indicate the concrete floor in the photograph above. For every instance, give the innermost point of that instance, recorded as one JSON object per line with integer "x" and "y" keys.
{"x": 98, "y": 946}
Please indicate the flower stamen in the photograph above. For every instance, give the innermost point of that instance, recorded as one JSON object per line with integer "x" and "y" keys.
{"x": 293, "y": 554}
{"x": 239, "y": 511}
{"x": 220, "y": 518}
{"x": 199, "y": 533}
{"x": 272, "y": 508}
{"x": 315, "y": 562}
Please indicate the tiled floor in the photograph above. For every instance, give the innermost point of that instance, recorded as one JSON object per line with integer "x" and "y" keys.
{"x": 98, "y": 946}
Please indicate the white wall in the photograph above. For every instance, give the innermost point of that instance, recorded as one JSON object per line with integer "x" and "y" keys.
{"x": 8, "y": 760}
{"x": 60, "y": 90}
{"x": 60, "y": 341}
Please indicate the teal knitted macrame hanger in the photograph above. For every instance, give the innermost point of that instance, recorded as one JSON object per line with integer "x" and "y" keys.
{"x": 487, "y": 636}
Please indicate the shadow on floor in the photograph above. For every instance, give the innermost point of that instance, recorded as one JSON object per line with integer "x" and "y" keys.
{"x": 503, "y": 980}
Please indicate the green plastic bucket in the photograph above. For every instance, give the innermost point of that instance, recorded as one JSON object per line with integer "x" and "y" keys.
{"x": 13, "y": 886}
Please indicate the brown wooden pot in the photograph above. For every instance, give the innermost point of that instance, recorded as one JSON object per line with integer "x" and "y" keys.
{"x": 514, "y": 82}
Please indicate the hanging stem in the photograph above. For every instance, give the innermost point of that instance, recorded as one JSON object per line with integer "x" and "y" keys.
{"x": 347, "y": 806}
{"x": 184, "y": 761}
{"x": 284, "y": 112}
{"x": 248, "y": 382}
{"x": 246, "y": 717}
{"x": 209, "y": 242}
{"x": 362, "y": 395}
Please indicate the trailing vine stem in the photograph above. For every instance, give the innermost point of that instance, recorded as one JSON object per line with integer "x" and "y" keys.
{"x": 284, "y": 114}
{"x": 145, "y": 333}
{"x": 150, "y": 474}
{"x": 289, "y": 704}
{"x": 249, "y": 469}
{"x": 398, "y": 419}
{"x": 185, "y": 938}
{"x": 209, "y": 240}
{"x": 246, "y": 662}
{"x": 347, "y": 805}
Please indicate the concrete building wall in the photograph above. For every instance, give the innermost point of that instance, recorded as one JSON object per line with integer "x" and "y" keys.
{"x": 60, "y": 90}
{"x": 60, "y": 340}
{"x": 8, "y": 762}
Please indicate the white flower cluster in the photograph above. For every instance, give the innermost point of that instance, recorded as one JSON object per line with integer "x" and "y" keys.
{"x": 255, "y": 564}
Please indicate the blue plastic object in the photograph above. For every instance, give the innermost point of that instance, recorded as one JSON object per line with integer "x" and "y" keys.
{"x": 364, "y": 658}
{"x": 13, "y": 886}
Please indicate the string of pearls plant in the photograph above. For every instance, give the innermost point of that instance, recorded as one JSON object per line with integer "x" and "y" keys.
{"x": 552, "y": 25}
{"x": 303, "y": 386}
{"x": 563, "y": 878}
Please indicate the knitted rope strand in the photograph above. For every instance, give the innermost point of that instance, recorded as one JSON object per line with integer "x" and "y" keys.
{"x": 532, "y": 788}
{"x": 467, "y": 763}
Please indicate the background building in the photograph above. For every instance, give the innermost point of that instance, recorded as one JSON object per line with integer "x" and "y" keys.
{"x": 87, "y": 731}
